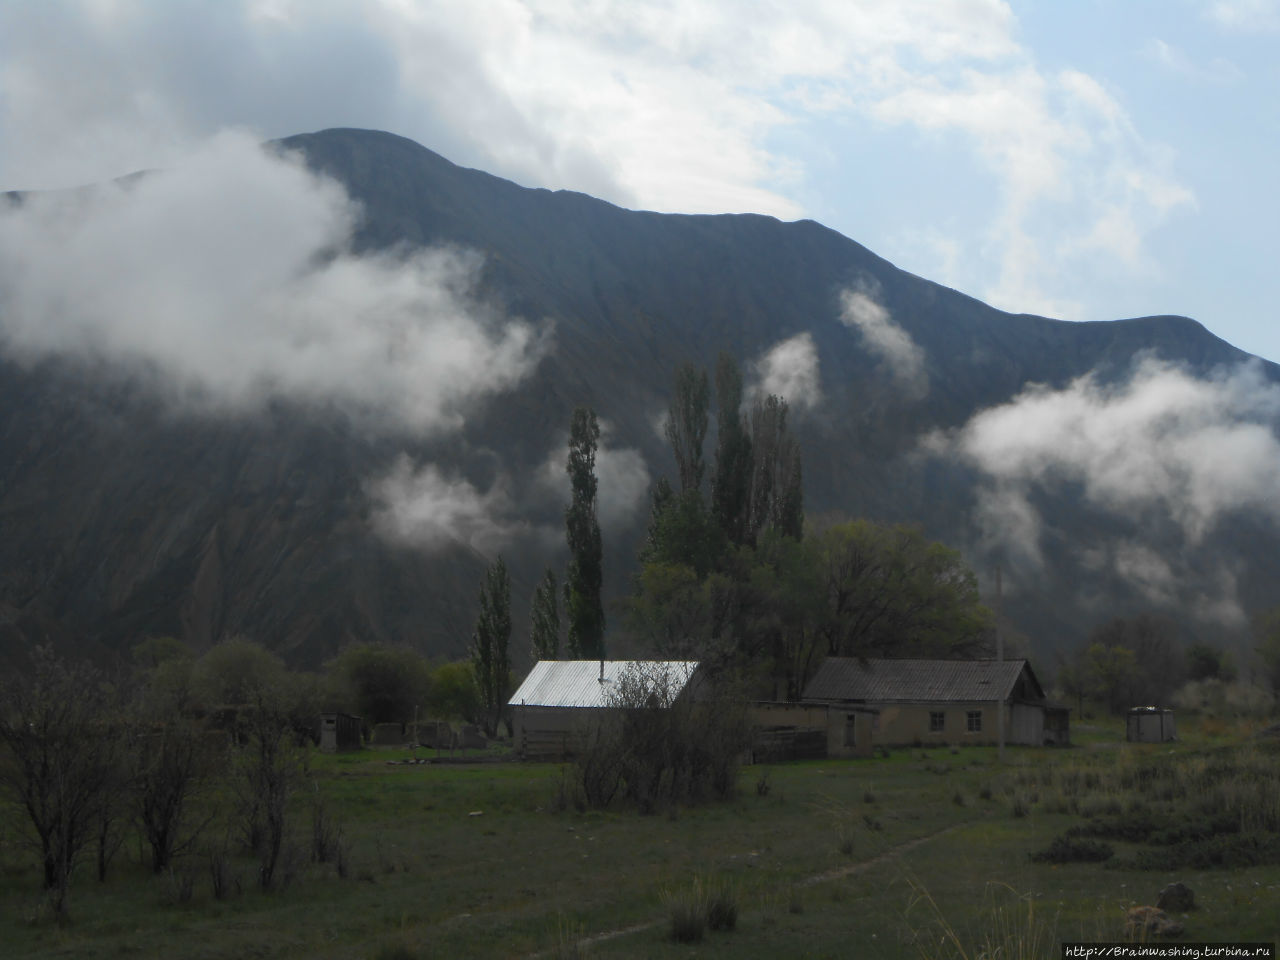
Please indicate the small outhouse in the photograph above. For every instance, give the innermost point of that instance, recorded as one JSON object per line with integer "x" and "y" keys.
{"x": 1149, "y": 725}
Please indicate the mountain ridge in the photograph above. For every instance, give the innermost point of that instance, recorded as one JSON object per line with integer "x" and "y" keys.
{"x": 281, "y": 546}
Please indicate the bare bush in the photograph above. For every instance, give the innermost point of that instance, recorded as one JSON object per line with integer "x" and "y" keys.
{"x": 658, "y": 745}
{"x": 60, "y": 762}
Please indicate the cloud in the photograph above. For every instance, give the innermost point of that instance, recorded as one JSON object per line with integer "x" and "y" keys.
{"x": 677, "y": 107}
{"x": 622, "y": 480}
{"x": 789, "y": 369}
{"x": 424, "y": 508}
{"x": 1162, "y": 446}
{"x": 229, "y": 280}
{"x": 859, "y": 310}
{"x": 1246, "y": 16}
{"x": 1175, "y": 61}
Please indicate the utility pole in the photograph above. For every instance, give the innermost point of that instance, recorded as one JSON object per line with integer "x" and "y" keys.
{"x": 1000, "y": 656}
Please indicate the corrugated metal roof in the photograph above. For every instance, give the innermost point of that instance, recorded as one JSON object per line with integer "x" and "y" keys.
{"x": 576, "y": 683}
{"x": 874, "y": 681}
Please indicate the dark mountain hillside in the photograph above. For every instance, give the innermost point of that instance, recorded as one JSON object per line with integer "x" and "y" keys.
{"x": 120, "y": 520}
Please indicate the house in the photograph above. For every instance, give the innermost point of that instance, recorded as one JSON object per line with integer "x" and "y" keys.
{"x": 941, "y": 701}
{"x": 560, "y": 699}
{"x": 1149, "y": 725}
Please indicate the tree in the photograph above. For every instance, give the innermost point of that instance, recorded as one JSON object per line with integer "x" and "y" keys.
{"x": 1208, "y": 662}
{"x": 454, "y": 694}
{"x": 544, "y": 619}
{"x": 731, "y": 481}
{"x": 776, "y": 497}
{"x": 1266, "y": 638}
{"x": 585, "y": 579}
{"x": 1159, "y": 668}
{"x": 171, "y": 761}
{"x": 383, "y": 684}
{"x": 1111, "y": 671}
{"x": 686, "y": 425}
{"x": 891, "y": 592}
{"x": 270, "y": 768}
{"x": 63, "y": 763}
{"x": 490, "y": 657}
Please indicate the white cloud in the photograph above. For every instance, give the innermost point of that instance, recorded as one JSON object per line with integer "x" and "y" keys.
{"x": 1176, "y": 61}
{"x": 1164, "y": 445}
{"x": 228, "y": 279}
{"x": 622, "y": 480}
{"x": 789, "y": 369}
{"x": 649, "y": 103}
{"x": 423, "y": 508}
{"x": 860, "y": 310}
{"x": 1246, "y": 16}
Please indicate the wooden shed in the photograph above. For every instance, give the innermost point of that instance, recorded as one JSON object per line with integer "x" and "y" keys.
{"x": 1149, "y": 725}
{"x": 339, "y": 731}
{"x": 942, "y": 701}
{"x": 560, "y": 699}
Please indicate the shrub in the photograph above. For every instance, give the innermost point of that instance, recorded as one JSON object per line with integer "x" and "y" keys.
{"x": 1072, "y": 849}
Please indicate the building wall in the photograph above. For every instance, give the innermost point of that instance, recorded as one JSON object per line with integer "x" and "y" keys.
{"x": 902, "y": 724}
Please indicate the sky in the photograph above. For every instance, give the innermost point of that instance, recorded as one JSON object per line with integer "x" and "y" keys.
{"x": 1089, "y": 161}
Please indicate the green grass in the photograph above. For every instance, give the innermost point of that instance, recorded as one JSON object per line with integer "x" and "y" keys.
{"x": 471, "y": 860}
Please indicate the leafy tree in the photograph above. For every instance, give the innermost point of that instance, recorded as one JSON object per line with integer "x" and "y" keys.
{"x": 236, "y": 671}
{"x": 57, "y": 727}
{"x": 776, "y": 497}
{"x": 454, "y": 693}
{"x": 1266, "y": 638}
{"x": 891, "y": 592}
{"x": 1112, "y": 671}
{"x": 544, "y": 617}
{"x": 381, "y": 683}
{"x": 583, "y": 605}
{"x": 686, "y": 424}
{"x": 731, "y": 481}
{"x": 1207, "y": 662}
{"x": 490, "y": 656}
{"x": 1159, "y": 665}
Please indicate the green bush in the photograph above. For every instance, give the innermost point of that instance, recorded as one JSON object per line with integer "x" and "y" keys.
{"x": 1071, "y": 849}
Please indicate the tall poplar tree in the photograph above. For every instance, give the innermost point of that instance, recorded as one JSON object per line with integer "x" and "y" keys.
{"x": 731, "y": 481}
{"x": 585, "y": 578}
{"x": 490, "y": 644}
{"x": 544, "y": 617}
{"x": 686, "y": 425}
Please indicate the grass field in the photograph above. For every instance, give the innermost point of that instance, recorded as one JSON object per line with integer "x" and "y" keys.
{"x": 921, "y": 853}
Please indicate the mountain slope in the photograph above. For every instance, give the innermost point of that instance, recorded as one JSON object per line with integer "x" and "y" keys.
{"x": 121, "y": 520}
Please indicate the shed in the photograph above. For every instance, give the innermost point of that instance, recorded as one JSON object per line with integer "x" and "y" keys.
{"x": 339, "y": 731}
{"x": 1149, "y": 725}
{"x": 942, "y": 701}
{"x": 803, "y": 731}
{"x": 560, "y": 699}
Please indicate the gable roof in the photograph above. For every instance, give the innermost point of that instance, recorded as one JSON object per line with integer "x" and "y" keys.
{"x": 875, "y": 681}
{"x": 576, "y": 683}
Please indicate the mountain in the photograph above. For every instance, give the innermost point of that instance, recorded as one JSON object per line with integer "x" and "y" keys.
{"x": 121, "y": 518}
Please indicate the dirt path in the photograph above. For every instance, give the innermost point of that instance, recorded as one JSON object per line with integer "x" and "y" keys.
{"x": 825, "y": 876}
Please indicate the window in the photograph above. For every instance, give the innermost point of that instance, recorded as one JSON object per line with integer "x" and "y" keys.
{"x": 937, "y": 720}
{"x": 973, "y": 721}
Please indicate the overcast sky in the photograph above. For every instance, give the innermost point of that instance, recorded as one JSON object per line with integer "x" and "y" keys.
{"x": 1090, "y": 160}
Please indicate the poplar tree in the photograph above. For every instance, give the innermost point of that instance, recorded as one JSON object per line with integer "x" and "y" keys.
{"x": 544, "y": 619}
{"x": 686, "y": 425}
{"x": 731, "y": 480}
{"x": 585, "y": 577}
{"x": 490, "y": 654}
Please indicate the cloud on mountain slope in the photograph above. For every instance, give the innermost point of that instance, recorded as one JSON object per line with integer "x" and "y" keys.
{"x": 1163, "y": 447}
{"x": 789, "y": 369}
{"x": 860, "y": 310}
{"x": 228, "y": 280}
